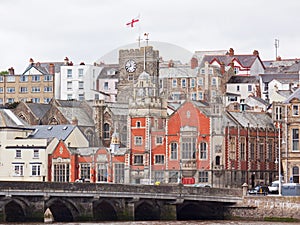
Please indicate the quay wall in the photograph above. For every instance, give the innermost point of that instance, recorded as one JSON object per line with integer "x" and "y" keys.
{"x": 266, "y": 207}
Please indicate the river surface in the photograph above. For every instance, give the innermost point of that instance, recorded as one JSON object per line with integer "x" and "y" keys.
{"x": 196, "y": 222}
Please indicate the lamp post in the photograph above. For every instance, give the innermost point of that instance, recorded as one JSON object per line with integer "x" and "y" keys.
{"x": 279, "y": 161}
{"x": 180, "y": 176}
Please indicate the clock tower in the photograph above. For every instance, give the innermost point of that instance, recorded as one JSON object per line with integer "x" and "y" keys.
{"x": 132, "y": 63}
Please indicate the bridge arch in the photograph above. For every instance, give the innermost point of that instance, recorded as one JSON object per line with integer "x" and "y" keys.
{"x": 16, "y": 210}
{"x": 63, "y": 210}
{"x": 200, "y": 211}
{"x": 147, "y": 210}
{"x": 105, "y": 210}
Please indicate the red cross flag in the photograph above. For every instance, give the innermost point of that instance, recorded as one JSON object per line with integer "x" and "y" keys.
{"x": 132, "y": 22}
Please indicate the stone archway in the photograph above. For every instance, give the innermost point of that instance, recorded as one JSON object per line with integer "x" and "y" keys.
{"x": 146, "y": 211}
{"x": 104, "y": 210}
{"x": 15, "y": 210}
{"x": 62, "y": 210}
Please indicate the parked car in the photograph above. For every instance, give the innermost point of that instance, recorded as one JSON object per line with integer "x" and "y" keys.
{"x": 274, "y": 187}
{"x": 82, "y": 180}
{"x": 259, "y": 190}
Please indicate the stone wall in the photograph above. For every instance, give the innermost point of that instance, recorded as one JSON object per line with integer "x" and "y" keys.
{"x": 261, "y": 207}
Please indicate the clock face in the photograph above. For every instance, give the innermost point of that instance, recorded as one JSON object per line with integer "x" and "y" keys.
{"x": 130, "y": 66}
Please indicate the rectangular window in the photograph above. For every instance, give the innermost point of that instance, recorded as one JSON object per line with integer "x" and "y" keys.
{"x": 194, "y": 96}
{"x": 200, "y": 81}
{"x": 261, "y": 151}
{"x": 23, "y": 90}
{"x": 270, "y": 150}
{"x": 69, "y": 85}
{"x": 24, "y": 78}
{"x": 81, "y": 97}
{"x": 47, "y": 100}
{"x": 200, "y": 95}
{"x": 1, "y": 78}
{"x": 105, "y": 86}
{"x": 18, "y": 154}
{"x": 119, "y": 173}
{"x": 193, "y": 82}
{"x": 36, "y": 78}
{"x": 188, "y": 147}
{"x": 48, "y": 89}
{"x": 80, "y": 73}
{"x": 61, "y": 172}
{"x": 249, "y": 88}
{"x": 1, "y": 89}
{"x": 236, "y": 70}
{"x": 69, "y": 96}
{"x": 174, "y": 83}
{"x": 295, "y": 139}
{"x": 36, "y": 153}
{"x": 69, "y": 73}
{"x": 203, "y": 176}
{"x": 242, "y": 148}
{"x": 252, "y": 149}
{"x": 213, "y": 81}
{"x": 10, "y": 100}
{"x": 138, "y": 160}
{"x": 36, "y": 100}
{"x": 81, "y": 85}
{"x": 48, "y": 77}
{"x": 183, "y": 83}
{"x": 237, "y": 87}
{"x": 85, "y": 171}
{"x": 203, "y": 150}
{"x": 159, "y": 159}
{"x": 278, "y": 113}
{"x": 159, "y": 140}
{"x": 18, "y": 169}
{"x": 10, "y": 90}
{"x": 102, "y": 173}
{"x": 202, "y": 71}
{"x": 173, "y": 154}
{"x": 35, "y": 89}
{"x": 36, "y": 170}
{"x": 10, "y": 78}
{"x": 295, "y": 110}
{"x": 138, "y": 140}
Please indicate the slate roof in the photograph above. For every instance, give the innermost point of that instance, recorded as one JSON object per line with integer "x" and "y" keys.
{"x": 245, "y": 60}
{"x": 9, "y": 119}
{"x": 38, "y": 109}
{"x": 296, "y": 94}
{"x": 118, "y": 109}
{"x": 44, "y": 67}
{"x": 61, "y": 132}
{"x": 260, "y": 100}
{"x": 174, "y": 72}
{"x": 104, "y": 73}
{"x": 82, "y": 116}
{"x": 254, "y": 119}
{"x": 243, "y": 79}
{"x": 268, "y": 77}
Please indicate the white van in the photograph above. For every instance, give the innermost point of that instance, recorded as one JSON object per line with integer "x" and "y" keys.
{"x": 274, "y": 187}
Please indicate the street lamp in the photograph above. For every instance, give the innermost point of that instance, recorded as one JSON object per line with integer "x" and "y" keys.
{"x": 180, "y": 176}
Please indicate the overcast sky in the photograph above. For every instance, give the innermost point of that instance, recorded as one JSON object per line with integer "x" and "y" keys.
{"x": 85, "y": 30}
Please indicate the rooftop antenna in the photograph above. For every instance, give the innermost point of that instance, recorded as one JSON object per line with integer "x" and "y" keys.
{"x": 276, "y": 46}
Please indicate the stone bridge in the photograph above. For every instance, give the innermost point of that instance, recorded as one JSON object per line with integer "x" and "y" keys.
{"x": 68, "y": 202}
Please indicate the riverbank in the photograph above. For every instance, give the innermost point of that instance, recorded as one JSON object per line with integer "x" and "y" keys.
{"x": 267, "y": 208}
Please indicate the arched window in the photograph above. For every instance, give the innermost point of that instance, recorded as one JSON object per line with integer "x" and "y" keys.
{"x": 106, "y": 130}
{"x": 203, "y": 150}
{"x": 296, "y": 174}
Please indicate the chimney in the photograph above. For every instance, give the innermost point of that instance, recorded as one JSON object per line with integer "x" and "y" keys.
{"x": 51, "y": 68}
{"x": 222, "y": 68}
{"x": 171, "y": 63}
{"x": 11, "y": 71}
{"x": 66, "y": 60}
{"x": 231, "y": 52}
{"x": 255, "y": 52}
{"x": 31, "y": 61}
{"x": 278, "y": 58}
{"x": 74, "y": 121}
{"x": 194, "y": 63}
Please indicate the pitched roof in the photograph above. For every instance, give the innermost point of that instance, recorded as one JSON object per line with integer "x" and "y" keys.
{"x": 252, "y": 119}
{"x": 268, "y": 77}
{"x": 296, "y": 95}
{"x": 61, "y": 132}
{"x": 38, "y": 109}
{"x": 81, "y": 114}
{"x": 9, "y": 119}
{"x": 243, "y": 79}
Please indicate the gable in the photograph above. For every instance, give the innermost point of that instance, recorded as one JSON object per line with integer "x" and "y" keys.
{"x": 61, "y": 151}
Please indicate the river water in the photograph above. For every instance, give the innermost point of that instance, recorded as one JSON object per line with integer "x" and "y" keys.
{"x": 190, "y": 222}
